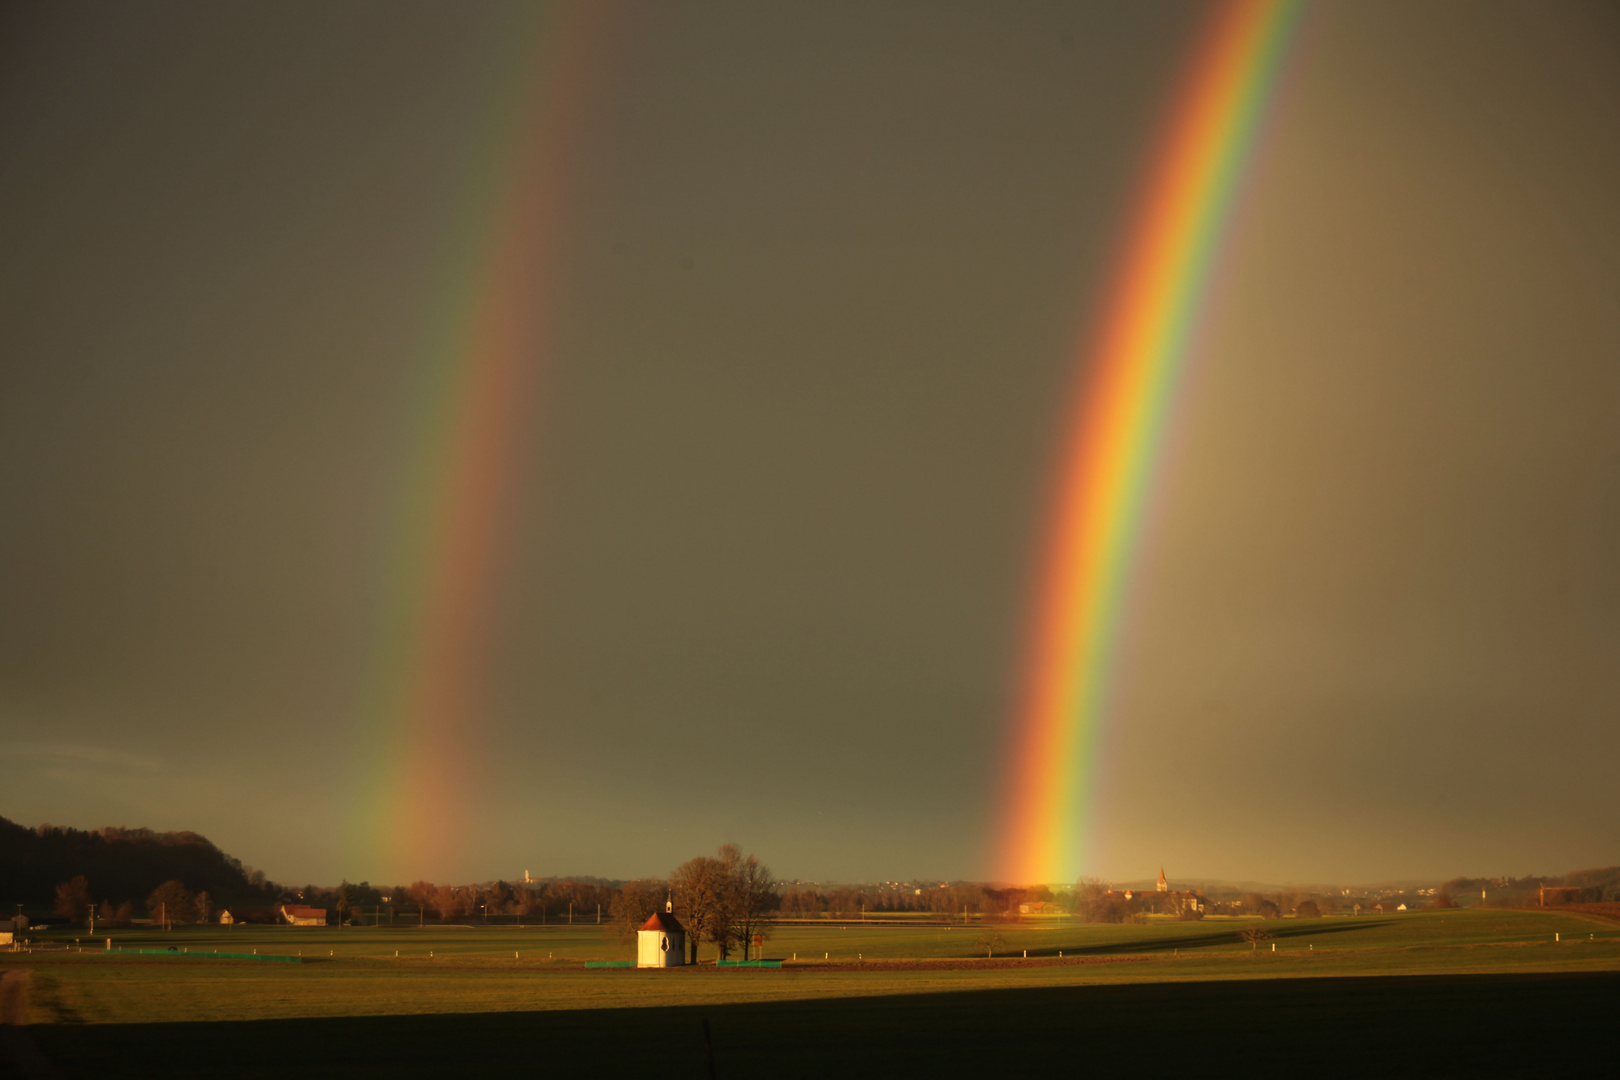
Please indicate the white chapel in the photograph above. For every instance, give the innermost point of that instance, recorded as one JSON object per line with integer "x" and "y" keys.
{"x": 661, "y": 942}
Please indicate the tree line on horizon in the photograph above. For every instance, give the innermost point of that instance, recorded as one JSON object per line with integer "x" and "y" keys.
{"x": 121, "y": 867}
{"x": 180, "y": 877}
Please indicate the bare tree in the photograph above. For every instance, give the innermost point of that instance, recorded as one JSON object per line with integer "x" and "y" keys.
{"x": 1090, "y": 898}
{"x": 725, "y": 930}
{"x": 699, "y": 888}
{"x": 73, "y": 898}
{"x": 1095, "y": 901}
{"x": 499, "y": 898}
{"x": 754, "y": 898}
{"x": 448, "y": 901}
{"x": 203, "y": 905}
{"x": 634, "y": 904}
{"x": 1254, "y": 935}
{"x": 801, "y": 903}
{"x": 990, "y": 943}
{"x": 421, "y": 894}
{"x": 724, "y": 900}
{"x": 171, "y": 902}
{"x": 345, "y": 901}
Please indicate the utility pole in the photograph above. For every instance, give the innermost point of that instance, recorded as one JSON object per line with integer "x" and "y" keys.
{"x": 598, "y": 914}
{"x": 570, "y": 913}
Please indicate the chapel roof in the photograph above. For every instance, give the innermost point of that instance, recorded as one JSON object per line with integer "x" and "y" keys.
{"x": 664, "y": 921}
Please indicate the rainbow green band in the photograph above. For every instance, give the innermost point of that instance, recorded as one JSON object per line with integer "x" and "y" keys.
{"x": 475, "y": 380}
{"x": 1132, "y": 371}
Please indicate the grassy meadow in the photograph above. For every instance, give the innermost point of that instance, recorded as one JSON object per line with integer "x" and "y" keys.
{"x": 858, "y": 997}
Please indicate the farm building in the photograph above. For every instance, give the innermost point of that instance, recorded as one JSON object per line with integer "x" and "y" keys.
{"x": 1040, "y": 907}
{"x": 299, "y": 915}
{"x": 226, "y": 918}
{"x": 661, "y": 941}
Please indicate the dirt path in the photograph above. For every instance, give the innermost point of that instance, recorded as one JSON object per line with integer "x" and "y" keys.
{"x": 17, "y": 1051}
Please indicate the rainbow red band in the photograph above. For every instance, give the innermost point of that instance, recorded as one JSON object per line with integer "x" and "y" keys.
{"x": 1132, "y": 370}
{"x": 476, "y": 381}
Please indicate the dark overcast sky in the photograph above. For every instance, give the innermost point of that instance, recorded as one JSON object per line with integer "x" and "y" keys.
{"x": 821, "y": 279}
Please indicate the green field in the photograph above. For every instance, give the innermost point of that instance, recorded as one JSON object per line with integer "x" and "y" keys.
{"x": 410, "y": 1001}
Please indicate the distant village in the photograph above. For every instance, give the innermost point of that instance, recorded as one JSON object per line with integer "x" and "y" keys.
{"x": 119, "y": 877}
{"x": 574, "y": 901}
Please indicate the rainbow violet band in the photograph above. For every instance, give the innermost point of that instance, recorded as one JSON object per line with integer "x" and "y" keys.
{"x": 1131, "y": 370}
{"x": 476, "y": 378}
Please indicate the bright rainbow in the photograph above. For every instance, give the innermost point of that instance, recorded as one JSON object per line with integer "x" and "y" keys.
{"x": 475, "y": 380}
{"x": 1132, "y": 370}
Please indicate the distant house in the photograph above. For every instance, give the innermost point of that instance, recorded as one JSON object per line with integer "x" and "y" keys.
{"x": 241, "y": 916}
{"x": 1039, "y": 907}
{"x": 661, "y": 941}
{"x": 299, "y": 915}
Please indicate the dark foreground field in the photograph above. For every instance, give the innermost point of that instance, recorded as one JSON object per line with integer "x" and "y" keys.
{"x": 1448, "y": 1025}
{"x": 1436, "y": 994}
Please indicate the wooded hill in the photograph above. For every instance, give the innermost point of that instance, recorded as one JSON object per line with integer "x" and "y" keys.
{"x": 119, "y": 864}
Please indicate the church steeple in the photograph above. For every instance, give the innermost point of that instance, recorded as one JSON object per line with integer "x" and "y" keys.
{"x": 1163, "y": 886}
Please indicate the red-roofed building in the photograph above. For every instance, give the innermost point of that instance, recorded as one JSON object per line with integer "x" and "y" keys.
{"x": 661, "y": 941}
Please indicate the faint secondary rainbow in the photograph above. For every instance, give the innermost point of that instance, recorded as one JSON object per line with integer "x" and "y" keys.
{"x": 1131, "y": 372}
{"x": 476, "y": 376}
